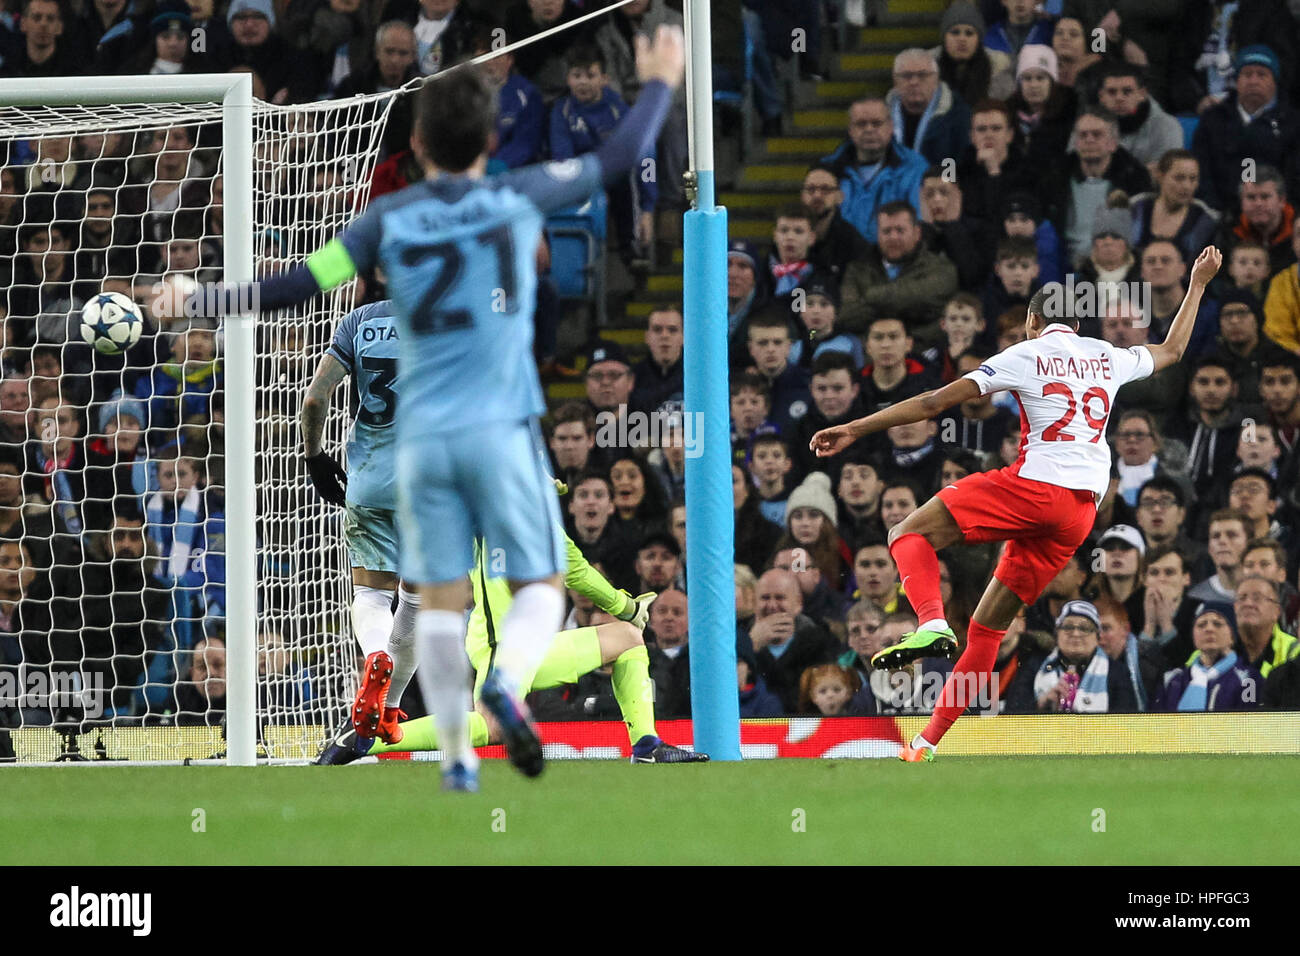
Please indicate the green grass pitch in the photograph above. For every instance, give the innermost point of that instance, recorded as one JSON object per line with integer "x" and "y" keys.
{"x": 956, "y": 810}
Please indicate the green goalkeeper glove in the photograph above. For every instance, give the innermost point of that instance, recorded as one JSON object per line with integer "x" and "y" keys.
{"x": 638, "y": 610}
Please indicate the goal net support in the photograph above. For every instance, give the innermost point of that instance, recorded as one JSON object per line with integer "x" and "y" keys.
{"x": 171, "y": 588}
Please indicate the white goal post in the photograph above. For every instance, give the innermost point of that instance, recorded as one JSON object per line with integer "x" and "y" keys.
{"x": 292, "y": 176}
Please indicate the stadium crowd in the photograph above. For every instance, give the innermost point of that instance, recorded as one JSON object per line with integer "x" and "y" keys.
{"x": 1027, "y": 148}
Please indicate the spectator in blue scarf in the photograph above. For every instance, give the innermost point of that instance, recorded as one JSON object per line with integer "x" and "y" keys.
{"x": 1216, "y": 679}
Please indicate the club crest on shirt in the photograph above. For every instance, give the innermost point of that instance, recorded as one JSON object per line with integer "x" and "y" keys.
{"x": 564, "y": 170}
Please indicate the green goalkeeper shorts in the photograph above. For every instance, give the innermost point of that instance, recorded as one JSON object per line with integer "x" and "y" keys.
{"x": 572, "y": 654}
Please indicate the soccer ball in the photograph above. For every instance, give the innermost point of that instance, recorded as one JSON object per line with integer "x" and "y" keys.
{"x": 111, "y": 323}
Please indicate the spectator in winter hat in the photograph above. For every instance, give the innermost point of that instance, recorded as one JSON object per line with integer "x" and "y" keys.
{"x": 972, "y": 70}
{"x": 1216, "y": 678}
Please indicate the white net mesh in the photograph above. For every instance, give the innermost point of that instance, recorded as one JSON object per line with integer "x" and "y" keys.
{"x": 112, "y": 504}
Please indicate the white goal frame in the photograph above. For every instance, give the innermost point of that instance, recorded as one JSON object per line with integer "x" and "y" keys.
{"x": 234, "y": 91}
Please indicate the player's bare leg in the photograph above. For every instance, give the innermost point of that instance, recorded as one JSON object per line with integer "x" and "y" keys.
{"x": 444, "y": 677}
{"x": 913, "y": 542}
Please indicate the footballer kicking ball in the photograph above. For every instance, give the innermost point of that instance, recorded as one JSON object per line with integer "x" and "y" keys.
{"x": 111, "y": 322}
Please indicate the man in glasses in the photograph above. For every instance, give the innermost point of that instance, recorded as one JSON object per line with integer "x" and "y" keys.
{"x": 1162, "y": 512}
{"x": 1264, "y": 645}
{"x": 836, "y": 242}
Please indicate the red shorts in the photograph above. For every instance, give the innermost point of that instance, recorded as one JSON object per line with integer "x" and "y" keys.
{"x": 1042, "y": 524}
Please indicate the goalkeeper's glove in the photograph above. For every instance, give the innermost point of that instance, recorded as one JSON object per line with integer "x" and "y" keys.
{"x": 330, "y": 479}
{"x": 638, "y": 609}
{"x": 560, "y": 487}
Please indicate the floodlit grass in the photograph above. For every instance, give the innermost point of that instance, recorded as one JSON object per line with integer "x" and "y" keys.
{"x": 1157, "y": 810}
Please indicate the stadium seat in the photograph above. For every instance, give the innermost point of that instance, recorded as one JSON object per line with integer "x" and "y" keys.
{"x": 1189, "y": 124}
{"x": 577, "y": 238}
{"x": 739, "y": 102}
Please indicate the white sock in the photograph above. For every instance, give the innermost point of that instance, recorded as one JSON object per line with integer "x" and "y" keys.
{"x": 936, "y": 624}
{"x": 401, "y": 645}
{"x": 526, "y": 634}
{"x": 444, "y": 680}
{"x": 372, "y": 617}
{"x": 918, "y": 742}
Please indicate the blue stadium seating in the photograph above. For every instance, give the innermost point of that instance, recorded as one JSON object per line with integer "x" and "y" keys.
{"x": 577, "y": 238}
{"x": 1189, "y": 129}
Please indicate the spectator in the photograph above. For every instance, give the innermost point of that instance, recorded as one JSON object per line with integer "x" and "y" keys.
{"x": 949, "y": 232}
{"x": 1257, "y": 451}
{"x": 745, "y": 295}
{"x": 1110, "y": 258}
{"x": 1167, "y": 612}
{"x": 601, "y": 539}
{"x": 1077, "y": 677}
{"x": 15, "y": 403}
{"x": 891, "y": 375}
{"x": 822, "y": 602}
{"x": 1014, "y": 279}
{"x": 990, "y": 170}
{"x": 639, "y": 503}
{"x": 658, "y": 377}
{"x": 1121, "y": 573}
{"x": 863, "y": 621}
{"x": 746, "y": 585}
{"x": 182, "y": 390}
{"x": 609, "y": 381}
{"x": 788, "y": 264}
{"x": 1044, "y": 109}
{"x": 913, "y": 689}
{"x": 1067, "y": 586}
{"x": 44, "y": 50}
{"x": 969, "y": 68}
{"x": 1020, "y": 654}
{"x": 1279, "y": 390}
{"x": 93, "y": 26}
{"x": 755, "y": 699}
{"x": 288, "y": 77}
{"x": 1081, "y": 184}
{"x": 444, "y": 30}
{"x": 827, "y": 690}
{"x": 543, "y": 61}
{"x": 977, "y": 423}
{"x": 1146, "y": 130}
{"x": 820, "y": 316}
{"x": 751, "y": 405}
{"x": 1162, "y": 511}
{"x": 1266, "y": 558}
{"x": 41, "y": 298}
{"x": 201, "y": 699}
{"x": 1021, "y": 217}
{"x": 34, "y": 629}
{"x": 928, "y": 117}
{"x": 572, "y": 441}
{"x": 1251, "y": 123}
{"x": 1241, "y": 340}
{"x": 755, "y": 536}
{"x": 392, "y": 67}
{"x": 167, "y": 51}
{"x": 1282, "y": 689}
{"x": 1282, "y": 305}
{"x": 1267, "y": 217}
{"x": 219, "y": 53}
{"x": 915, "y": 453}
{"x": 836, "y": 242}
{"x": 1228, "y": 534}
{"x": 899, "y": 498}
{"x": 1021, "y": 27}
{"x": 56, "y": 461}
{"x": 810, "y": 524}
{"x": 1138, "y": 446}
{"x": 1248, "y": 268}
{"x": 876, "y": 578}
{"x": 1263, "y": 644}
{"x": 1215, "y": 679}
{"x": 771, "y": 469}
{"x": 1165, "y": 271}
{"x": 769, "y": 348}
{"x": 858, "y": 490}
{"x": 670, "y": 667}
{"x": 1253, "y": 492}
{"x": 835, "y": 401}
{"x": 667, "y": 463}
{"x": 786, "y": 642}
{"x": 962, "y": 323}
{"x": 1173, "y": 212}
{"x": 116, "y": 455}
{"x": 584, "y": 118}
{"x": 899, "y": 278}
{"x": 873, "y": 169}
{"x": 521, "y": 118}
{"x": 1212, "y": 431}
{"x": 658, "y": 563}
{"x": 1139, "y": 662}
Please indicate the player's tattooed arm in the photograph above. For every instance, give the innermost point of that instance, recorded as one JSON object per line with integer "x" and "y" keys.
{"x": 316, "y": 403}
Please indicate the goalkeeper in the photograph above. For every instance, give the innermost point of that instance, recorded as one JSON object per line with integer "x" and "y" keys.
{"x": 572, "y": 654}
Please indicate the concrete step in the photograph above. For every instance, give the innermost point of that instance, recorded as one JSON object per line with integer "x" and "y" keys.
{"x": 773, "y": 177}
{"x": 892, "y": 39}
{"x": 768, "y": 201}
{"x": 781, "y": 147}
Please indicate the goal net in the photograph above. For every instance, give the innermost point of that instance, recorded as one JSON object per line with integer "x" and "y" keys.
{"x": 113, "y": 495}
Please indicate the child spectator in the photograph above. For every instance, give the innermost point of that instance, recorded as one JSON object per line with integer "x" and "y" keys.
{"x": 181, "y": 390}
{"x": 792, "y": 238}
{"x": 835, "y": 401}
{"x": 1022, "y": 217}
{"x": 810, "y": 524}
{"x": 891, "y": 375}
{"x": 580, "y": 122}
{"x": 827, "y": 689}
{"x": 962, "y": 323}
{"x": 876, "y": 578}
{"x": 769, "y": 350}
{"x": 750, "y": 404}
{"x": 771, "y": 465}
{"x": 521, "y": 118}
{"x": 1014, "y": 279}
{"x": 821, "y": 305}
{"x": 1248, "y": 268}
{"x": 1216, "y": 679}
{"x": 755, "y": 536}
